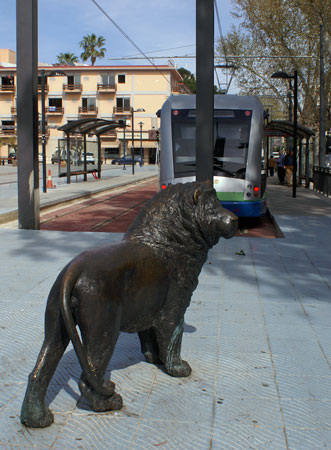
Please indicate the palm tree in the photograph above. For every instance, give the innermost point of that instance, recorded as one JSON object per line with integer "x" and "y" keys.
{"x": 93, "y": 47}
{"x": 65, "y": 58}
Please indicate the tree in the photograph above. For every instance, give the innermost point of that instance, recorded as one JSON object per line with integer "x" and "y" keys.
{"x": 191, "y": 82}
{"x": 189, "y": 79}
{"x": 282, "y": 33}
{"x": 65, "y": 58}
{"x": 93, "y": 47}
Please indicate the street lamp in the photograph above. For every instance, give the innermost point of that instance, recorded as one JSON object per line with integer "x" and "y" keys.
{"x": 141, "y": 143}
{"x": 294, "y": 77}
{"x": 43, "y": 118}
{"x": 132, "y": 130}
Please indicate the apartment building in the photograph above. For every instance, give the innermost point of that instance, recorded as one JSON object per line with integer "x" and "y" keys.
{"x": 83, "y": 91}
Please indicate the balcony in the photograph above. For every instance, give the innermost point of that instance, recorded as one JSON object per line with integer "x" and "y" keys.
{"x": 107, "y": 88}
{"x": 7, "y": 88}
{"x": 88, "y": 111}
{"x": 55, "y": 110}
{"x": 7, "y": 131}
{"x": 72, "y": 88}
{"x": 122, "y": 110}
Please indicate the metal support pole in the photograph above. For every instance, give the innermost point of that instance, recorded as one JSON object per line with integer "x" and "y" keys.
{"x": 132, "y": 131}
{"x": 68, "y": 158}
{"x": 141, "y": 144}
{"x": 99, "y": 156}
{"x": 27, "y": 114}
{"x": 43, "y": 128}
{"x": 295, "y": 134}
{"x": 85, "y": 161}
{"x": 205, "y": 89}
{"x": 322, "y": 140}
{"x": 124, "y": 144}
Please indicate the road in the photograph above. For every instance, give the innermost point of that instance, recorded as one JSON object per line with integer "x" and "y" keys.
{"x": 114, "y": 212}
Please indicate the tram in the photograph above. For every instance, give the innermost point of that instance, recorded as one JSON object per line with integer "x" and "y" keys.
{"x": 239, "y": 174}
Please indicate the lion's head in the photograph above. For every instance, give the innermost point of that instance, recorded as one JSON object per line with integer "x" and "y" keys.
{"x": 184, "y": 216}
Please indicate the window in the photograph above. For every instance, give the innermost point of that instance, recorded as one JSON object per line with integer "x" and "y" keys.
{"x": 89, "y": 103}
{"x": 8, "y": 124}
{"x": 108, "y": 79}
{"x": 73, "y": 79}
{"x": 123, "y": 102}
{"x": 54, "y": 104}
{"x": 121, "y": 78}
{"x": 7, "y": 80}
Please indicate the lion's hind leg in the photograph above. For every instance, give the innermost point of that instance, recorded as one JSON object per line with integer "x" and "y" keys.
{"x": 99, "y": 342}
{"x": 149, "y": 346}
{"x": 35, "y": 413}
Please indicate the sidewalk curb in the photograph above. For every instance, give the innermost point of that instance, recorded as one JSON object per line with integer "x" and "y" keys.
{"x": 13, "y": 215}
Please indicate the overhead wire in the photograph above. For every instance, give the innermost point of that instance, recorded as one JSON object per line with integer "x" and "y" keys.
{"x": 128, "y": 38}
{"x": 223, "y": 47}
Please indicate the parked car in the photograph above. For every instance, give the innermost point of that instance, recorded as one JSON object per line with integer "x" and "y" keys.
{"x": 90, "y": 159}
{"x": 127, "y": 159}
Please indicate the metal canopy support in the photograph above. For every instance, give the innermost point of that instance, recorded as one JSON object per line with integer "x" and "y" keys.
{"x": 205, "y": 89}
{"x": 27, "y": 114}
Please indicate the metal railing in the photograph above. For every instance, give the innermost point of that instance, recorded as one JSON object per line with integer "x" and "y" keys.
{"x": 91, "y": 110}
{"x": 322, "y": 180}
{"x": 72, "y": 87}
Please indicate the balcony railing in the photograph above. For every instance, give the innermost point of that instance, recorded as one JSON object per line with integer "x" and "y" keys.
{"x": 88, "y": 110}
{"x": 7, "y": 88}
{"x": 55, "y": 110}
{"x": 107, "y": 87}
{"x": 122, "y": 110}
{"x": 7, "y": 131}
{"x": 72, "y": 88}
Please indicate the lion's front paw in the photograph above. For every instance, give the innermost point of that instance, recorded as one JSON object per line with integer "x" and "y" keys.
{"x": 182, "y": 369}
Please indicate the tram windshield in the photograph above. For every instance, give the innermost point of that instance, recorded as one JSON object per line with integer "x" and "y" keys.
{"x": 231, "y": 139}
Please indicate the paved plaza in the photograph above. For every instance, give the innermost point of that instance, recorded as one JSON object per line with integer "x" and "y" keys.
{"x": 257, "y": 335}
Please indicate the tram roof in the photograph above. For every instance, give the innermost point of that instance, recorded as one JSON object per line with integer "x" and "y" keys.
{"x": 91, "y": 126}
{"x": 286, "y": 128}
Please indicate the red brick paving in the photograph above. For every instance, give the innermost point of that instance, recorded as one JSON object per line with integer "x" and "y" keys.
{"x": 113, "y": 212}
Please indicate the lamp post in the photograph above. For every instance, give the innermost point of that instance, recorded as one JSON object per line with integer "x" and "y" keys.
{"x": 284, "y": 75}
{"x": 43, "y": 118}
{"x": 141, "y": 143}
{"x": 132, "y": 130}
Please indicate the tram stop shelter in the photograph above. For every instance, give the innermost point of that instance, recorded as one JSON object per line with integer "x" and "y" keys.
{"x": 276, "y": 128}
{"x": 75, "y": 159}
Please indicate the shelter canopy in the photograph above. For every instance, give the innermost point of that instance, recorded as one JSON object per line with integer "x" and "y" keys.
{"x": 286, "y": 128}
{"x": 91, "y": 126}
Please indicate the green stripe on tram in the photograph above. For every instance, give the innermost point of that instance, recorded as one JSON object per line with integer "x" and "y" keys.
{"x": 230, "y": 196}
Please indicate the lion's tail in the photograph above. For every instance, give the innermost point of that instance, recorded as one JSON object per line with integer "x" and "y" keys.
{"x": 68, "y": 282}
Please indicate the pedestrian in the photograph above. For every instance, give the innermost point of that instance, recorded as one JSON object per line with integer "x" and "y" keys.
{"x": 272, "y": 165}
{"x": 288, "y": 164}
{"x": 280, "y": 167}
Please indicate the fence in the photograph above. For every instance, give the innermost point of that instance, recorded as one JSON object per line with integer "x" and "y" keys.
{"x": 322, "y": 180}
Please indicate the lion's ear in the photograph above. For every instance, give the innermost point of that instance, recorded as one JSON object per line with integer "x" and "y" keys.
{"x": 196, "y": 195}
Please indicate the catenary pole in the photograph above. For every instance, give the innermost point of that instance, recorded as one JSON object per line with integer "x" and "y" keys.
{"x": 27, "y": 114}
{"x": 205, "y": 89}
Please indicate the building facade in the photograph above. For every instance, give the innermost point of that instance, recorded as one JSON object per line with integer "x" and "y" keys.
{"x": 105, "y": 92}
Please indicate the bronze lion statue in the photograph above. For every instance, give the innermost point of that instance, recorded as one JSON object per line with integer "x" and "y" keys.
{"x": 143, "y": 284}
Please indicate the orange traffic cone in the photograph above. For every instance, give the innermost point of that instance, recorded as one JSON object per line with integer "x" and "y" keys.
{"x": 50, "y": 184}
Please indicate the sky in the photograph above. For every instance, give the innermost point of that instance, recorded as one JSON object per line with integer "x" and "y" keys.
{"x": 157, "y": 27}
